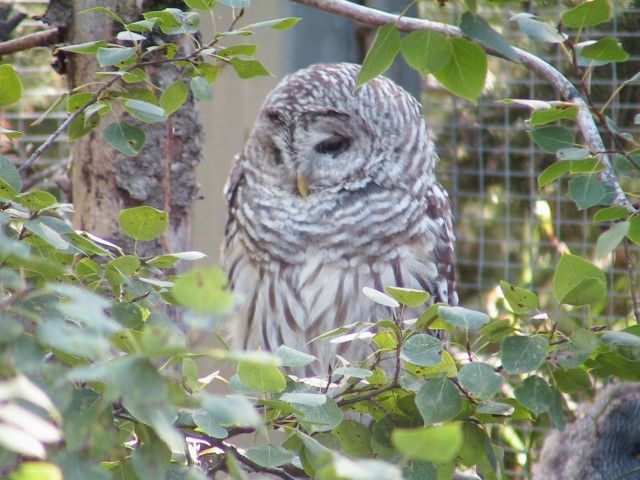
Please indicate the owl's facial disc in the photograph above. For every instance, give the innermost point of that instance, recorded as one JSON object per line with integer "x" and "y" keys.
{"x": 329, "y": 150}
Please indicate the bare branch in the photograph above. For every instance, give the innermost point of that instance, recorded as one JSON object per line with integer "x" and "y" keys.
{"x": 37, "y": 39}
{"x": 563, "y": 87}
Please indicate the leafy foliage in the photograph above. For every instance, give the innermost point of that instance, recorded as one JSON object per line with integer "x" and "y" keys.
{"x": 99, "y": 382}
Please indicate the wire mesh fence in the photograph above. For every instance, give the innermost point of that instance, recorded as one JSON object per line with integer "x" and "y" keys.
{"x": 508, "y": 228}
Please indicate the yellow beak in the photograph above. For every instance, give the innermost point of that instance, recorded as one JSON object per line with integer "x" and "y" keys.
{"x": 303, "y": 185}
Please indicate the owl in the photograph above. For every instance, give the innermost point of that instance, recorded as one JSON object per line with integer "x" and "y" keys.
{"x": 335, "y": 190}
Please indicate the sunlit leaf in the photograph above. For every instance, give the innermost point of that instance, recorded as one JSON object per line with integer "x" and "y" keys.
{"x": 10, "y": 85}
{"x": 381, "y": 54}
{"x": 578, "y": 282}
{"x": 466, "y": 72}
{"x": 522, "y": 354}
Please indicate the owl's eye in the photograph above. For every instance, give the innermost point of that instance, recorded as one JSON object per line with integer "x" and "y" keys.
{"x": 333, "y": 145}
{"x": 276, "y": 154}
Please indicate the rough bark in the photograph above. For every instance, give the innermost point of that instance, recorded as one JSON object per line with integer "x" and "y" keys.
{"x": 105, "y": 181}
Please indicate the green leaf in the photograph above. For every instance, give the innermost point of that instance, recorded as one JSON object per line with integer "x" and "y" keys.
{"x": 10, "y": 86}
{"x": 480, "y": 379}
{"x": 408, "y": 296}
{"x": 269, "y": 456}
{"x": 433, "y": 444}
{"x": 553, "y": 172}
{"x": 262, "y": 377}
{"x": 556, "y": 412}
{"x": 204, "y": 290}
{"x": 552, "y": 139}
{"x": 276, "y": 24}
{"x": 621, "y": 338}
{"x": 200, "y": 88}
{"x": 127, "y": 264}
{"x": 523, "y": 354}
{"x": 426, "y": 51}
{"x": 108, "y": 56}
{"x": 320, "y": 418}
{"x": 145, "y": 111}
{"x": 87, "y": 48}
{"x": 607, "y": 49}
{"x": 209, "y": 425}
{"x": 104, "y": 10}
{"x": 520, "y": 300}
{"x": 586, "y": 191}
{"x": 543, "y": 117}
{"x": 466, "y": 72}
{"x": 10, "y": 133}
{"x": 578, "y": 282}
{"x": 36, "y": 200}
{"x": 78, "y": 100}
{"x": 381, "y": 54}
{"x": 293, "y": 358}
{"x": 173, "y": 97}
{"x": 81, "y": 126}
{"x": 463, "y": 317}
{"x": 477, "y": 27}
{"x": 422, "y": 350}
{"x": 143, "y": 223}
{"x": 200, "y": 4}
{"x": 438, "y": 400}
{"x": 9, "y": 173}
{"x": 588, "y": 165}
{"x": 354, "y": 437}
{"x": 587, "y": 14}
{"x": 610, "y": 214}
{"x": 249, "y": 68}
{"x": 129, "y": 315}
{"x": 574, "y": 380}
{"x": 36, "y": 470}
{"x": 535, "y": 394}
{"x": 608, "y": 241}
{"x": 538, "y": 31}
{"x": 47, "y": 234}
{"x": 380, "y": 298}
{"x": 231, "y": 410}
{"x": 125, "y": 138}
{"x": 151, "y": 459}
{"x": 573, "y": 153}
{"x": 634, "y": 230}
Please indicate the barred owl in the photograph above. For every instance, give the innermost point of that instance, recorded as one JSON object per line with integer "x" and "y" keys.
{"x": 334, "y": 191}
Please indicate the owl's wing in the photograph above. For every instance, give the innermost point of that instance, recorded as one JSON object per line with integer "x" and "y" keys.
{"x": 236, "y": 178}
{"x": 439, "y": 210}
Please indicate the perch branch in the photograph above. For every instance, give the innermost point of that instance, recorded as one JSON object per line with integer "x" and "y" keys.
{"x": 563, "y": 87}
{"x": 37, "y": 39}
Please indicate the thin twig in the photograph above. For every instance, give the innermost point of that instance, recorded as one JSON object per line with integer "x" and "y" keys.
{"x": 367, "y": 396}
{"x": 560, "y": 83}
{"x": 632, "y": 281}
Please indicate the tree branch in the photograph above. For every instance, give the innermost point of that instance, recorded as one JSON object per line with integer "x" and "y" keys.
{"x": 563, "y": 87}
{"x": 37, "y": 39}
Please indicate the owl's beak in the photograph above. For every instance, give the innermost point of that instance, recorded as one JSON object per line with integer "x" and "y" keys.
{"x": 303, "y": 185}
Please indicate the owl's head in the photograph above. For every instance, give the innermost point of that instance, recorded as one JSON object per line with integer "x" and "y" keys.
{"x": 316, "y": 133}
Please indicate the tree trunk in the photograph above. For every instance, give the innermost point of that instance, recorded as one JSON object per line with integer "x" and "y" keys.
{"x": 105, "y": 181}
